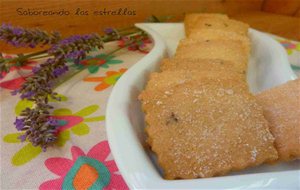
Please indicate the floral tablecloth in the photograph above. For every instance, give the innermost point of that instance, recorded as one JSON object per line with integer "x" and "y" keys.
{"x": 81, "y": 158}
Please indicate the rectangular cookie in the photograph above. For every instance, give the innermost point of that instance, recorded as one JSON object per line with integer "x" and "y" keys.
{"x": 227, "y": 50}
{"x": 282, "y": 109}
{"x": 217, "y": 23}
{"x": 215, "y": 34}
{"x": 191, "y": 19}
{"x": 202, "y": 65}
{"x": 169, "y": 79}
{"x": 204, "y": 128}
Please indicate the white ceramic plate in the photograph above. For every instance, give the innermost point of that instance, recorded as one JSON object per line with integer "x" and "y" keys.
{"x": 268, "y": 67}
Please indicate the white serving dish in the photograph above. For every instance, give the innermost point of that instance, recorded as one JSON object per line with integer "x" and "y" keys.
{"x": 268, "y": 67}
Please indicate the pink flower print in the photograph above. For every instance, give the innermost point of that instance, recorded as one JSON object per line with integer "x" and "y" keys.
{"x": 85, "y": 171}
{"x": 15, "y": 83}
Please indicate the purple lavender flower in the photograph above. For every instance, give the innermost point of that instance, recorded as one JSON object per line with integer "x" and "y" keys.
{"x": 109, "y": 31}
{"x": 52, "y": 122}
{"x": 36, "y": 69}
{"x": 49, "y": 62}
{"x": 44, "y": 148}
{"x": 17, "y": 31}
{"x": 75, "y": 47}
{"x": 60, "y": 71}
{"x": 50, "y": 139}
{"x": 18, "y": 36}
{"x": 27, "y": 95}
{"x": 22, "y": 137}
{"x": 14, "y": 92}
{"x": 75, "y": 54}
{"x": 32, "y": 45}
{"x": 86, "y": 37}
{"x": 40, "y": 127}
{"x": 75, "y": 39}
{"x": 19, "y": 123}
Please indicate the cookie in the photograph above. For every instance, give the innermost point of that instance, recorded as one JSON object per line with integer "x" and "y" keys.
{"x": 206, "y": 128}
{"x": 282, "y": 109}
{"x": 217, "y": 23}
{"x": 191, "y": 19}
{"x": 227, "y": 50}
{"x": 202, "y": 65}
{"x": 214, "y": 34}
{"x": 169, "y": 79}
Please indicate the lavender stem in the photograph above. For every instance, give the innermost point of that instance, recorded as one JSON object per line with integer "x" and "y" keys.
{"x": 107, "y": 55}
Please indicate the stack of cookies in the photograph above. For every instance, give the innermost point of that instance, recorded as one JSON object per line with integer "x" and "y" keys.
{"x": 201, "y": 119}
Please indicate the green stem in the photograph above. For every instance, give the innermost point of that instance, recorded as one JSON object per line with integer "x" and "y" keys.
{"x": 114, "y": 51}
{"x": 127, "y": 28}
{"x": 110, "y": 53}
{"x": 35, "y": 54}
{"x": 22, "y": 58}
{"x": 132, "y": 33}
{"x": 39, "y": 57}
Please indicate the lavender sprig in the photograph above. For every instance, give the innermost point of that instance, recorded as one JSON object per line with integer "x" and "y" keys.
{"x": 37, "y": 88}
{"x": 18, "y": 36}
{"x": 76, "y": 47}
{"x": 40, "y": 127}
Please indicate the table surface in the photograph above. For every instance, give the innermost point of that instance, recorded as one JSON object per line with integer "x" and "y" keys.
{"x": 271, "y": 16}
